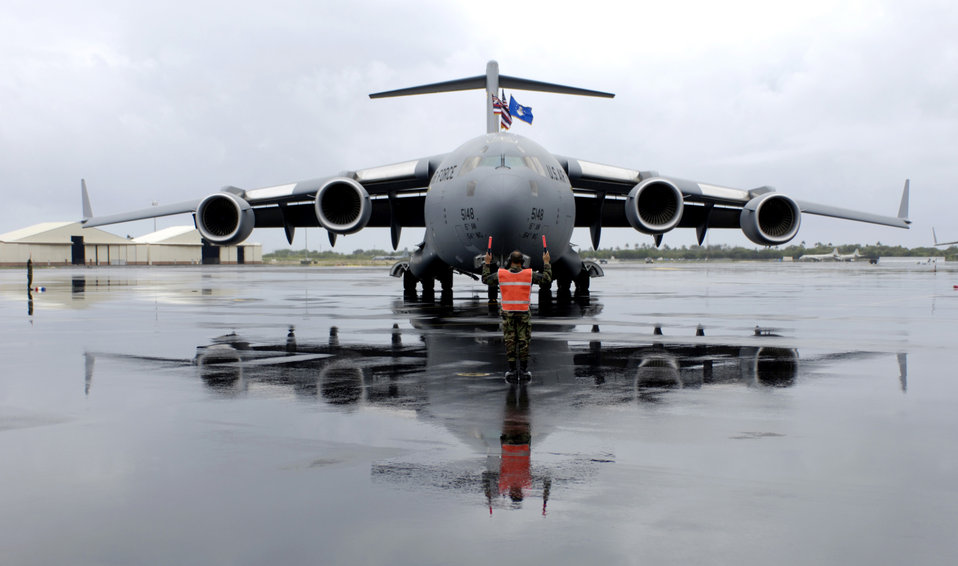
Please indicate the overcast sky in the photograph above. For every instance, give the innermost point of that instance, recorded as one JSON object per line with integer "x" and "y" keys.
{"x": 827, "y": 101}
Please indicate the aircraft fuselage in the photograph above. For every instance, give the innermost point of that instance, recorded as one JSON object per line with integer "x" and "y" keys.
{"x": 500, "y": 185}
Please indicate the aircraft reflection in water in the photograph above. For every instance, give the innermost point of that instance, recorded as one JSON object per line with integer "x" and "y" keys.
{"x": 448, "y": 375}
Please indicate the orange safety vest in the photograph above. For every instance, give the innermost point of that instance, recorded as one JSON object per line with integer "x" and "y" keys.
{"x": 515, "y": 469}
{"x": 516, "y": 289}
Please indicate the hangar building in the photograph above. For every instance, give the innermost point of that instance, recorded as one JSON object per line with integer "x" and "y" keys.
{"x": 67, "y": 243}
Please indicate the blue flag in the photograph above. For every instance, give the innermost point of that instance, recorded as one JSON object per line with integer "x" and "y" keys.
{"x": 523, "y": 113}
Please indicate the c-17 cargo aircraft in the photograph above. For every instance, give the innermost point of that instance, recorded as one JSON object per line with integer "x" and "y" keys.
{"x": 501, "y": 185}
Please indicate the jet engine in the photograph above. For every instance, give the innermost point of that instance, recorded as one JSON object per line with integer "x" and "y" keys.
{"x": 225, "y": 219}
{"x": 660, "y": 370}
{"x": 776, "y": 367}
{"x": 342, "y": 206}
{"x": 341, "y": 383}
{"x": 770, "y": 219}
{"x": 220, "y": 366}
{"x": 654, "y": 206}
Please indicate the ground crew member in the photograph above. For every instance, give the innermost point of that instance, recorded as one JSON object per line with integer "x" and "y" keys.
{"x": 515, "y": 285}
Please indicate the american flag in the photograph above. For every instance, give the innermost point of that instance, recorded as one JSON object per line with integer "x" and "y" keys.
{"x": 497, "y": 104}
{"x": 502, "y": 109}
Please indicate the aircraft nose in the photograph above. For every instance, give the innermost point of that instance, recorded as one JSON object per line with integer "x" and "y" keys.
{"x": 507, "y": 200}
{"x": 506, "y": 196}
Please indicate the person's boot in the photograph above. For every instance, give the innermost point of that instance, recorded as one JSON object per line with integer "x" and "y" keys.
{"x": 511, "y": 373}
{"x": 524, "y": 373}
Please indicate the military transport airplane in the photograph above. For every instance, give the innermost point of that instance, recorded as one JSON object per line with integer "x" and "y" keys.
{"x": 850, "y": 257}
{"x": 501, "y": 185}
{"x": 830, "y": 256}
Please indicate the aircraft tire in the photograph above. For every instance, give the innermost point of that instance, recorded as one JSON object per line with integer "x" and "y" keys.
{"x": 445, "y": 280}
{"x": 582, "y": 284}
{"x": 409, "y": 282}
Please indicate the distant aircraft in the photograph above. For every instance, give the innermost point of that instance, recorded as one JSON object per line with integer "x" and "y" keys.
{"x": 500, "y": 185}
{"x": 831, "y": 256}
{"x": 849, "y": 257}
{"x": 937, "y": 243}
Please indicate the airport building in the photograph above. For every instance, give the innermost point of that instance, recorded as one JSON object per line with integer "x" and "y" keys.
{"x": 67, "y": 243}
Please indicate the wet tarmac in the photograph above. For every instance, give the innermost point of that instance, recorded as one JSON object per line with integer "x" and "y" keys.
{"x": 686, "y": 413}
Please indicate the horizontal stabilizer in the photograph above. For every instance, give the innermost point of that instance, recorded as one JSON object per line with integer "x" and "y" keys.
{"x": 471, "y": 83}
{"x": 506, "y": 81}
{"x": 492, "y": 82}
{"x": 479, "y": 82}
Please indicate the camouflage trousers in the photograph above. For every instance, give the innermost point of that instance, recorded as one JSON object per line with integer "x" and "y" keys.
{"x": 517, "y": 333}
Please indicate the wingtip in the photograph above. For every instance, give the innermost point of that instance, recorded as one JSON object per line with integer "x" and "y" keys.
{"x": 903, "y": 207}
{"x": 85, "y": 196}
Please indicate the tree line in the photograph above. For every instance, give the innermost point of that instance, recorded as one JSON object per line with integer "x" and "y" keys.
{"x": 725, "y": 252}
{"x": 642, "y": 252}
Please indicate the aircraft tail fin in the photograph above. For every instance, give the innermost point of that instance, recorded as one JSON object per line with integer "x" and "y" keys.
{"x": 87, "y": 209}
{"x": 491, "y": 81}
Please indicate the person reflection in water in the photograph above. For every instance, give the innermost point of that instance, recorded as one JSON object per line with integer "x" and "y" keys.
{"x": 515, "y": 468}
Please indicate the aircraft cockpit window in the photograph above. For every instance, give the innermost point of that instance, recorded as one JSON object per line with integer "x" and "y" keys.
{"x": 470, "y": 164}
{"x": 481, "y": 161}
{"x": 502, "y": 161}
{"x": 512, "y": 161}
{"x": 533, "y": 163}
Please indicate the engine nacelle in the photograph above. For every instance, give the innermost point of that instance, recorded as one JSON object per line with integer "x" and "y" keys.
{"x": 770, "y": 219}
{"x": 220, "y": 366}
{"x": 776, "y": 367}
{"x": 654, "y": 206}
{"x": 225, "y": 219}
{"x": 343, "y": 206}
{"x": 658, "y": 371}
{"x": 341, "y": 383}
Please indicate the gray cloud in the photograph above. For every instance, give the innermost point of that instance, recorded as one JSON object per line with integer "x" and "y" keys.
{"x": 171, "y": 101}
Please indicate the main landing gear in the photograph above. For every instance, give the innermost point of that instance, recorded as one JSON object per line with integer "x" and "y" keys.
{"x": 564, "y": 290}
{"x": 427, "y": 284}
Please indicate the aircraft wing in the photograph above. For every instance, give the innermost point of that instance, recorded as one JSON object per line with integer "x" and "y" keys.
{"x": 143, "y": 213}
{"x": 614, "y": 196}
{"x": 383, "y": 196}
{"x": 937, "y": 243}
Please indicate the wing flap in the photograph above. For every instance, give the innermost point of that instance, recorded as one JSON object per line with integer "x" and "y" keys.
{"x": 613, "y": 180}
